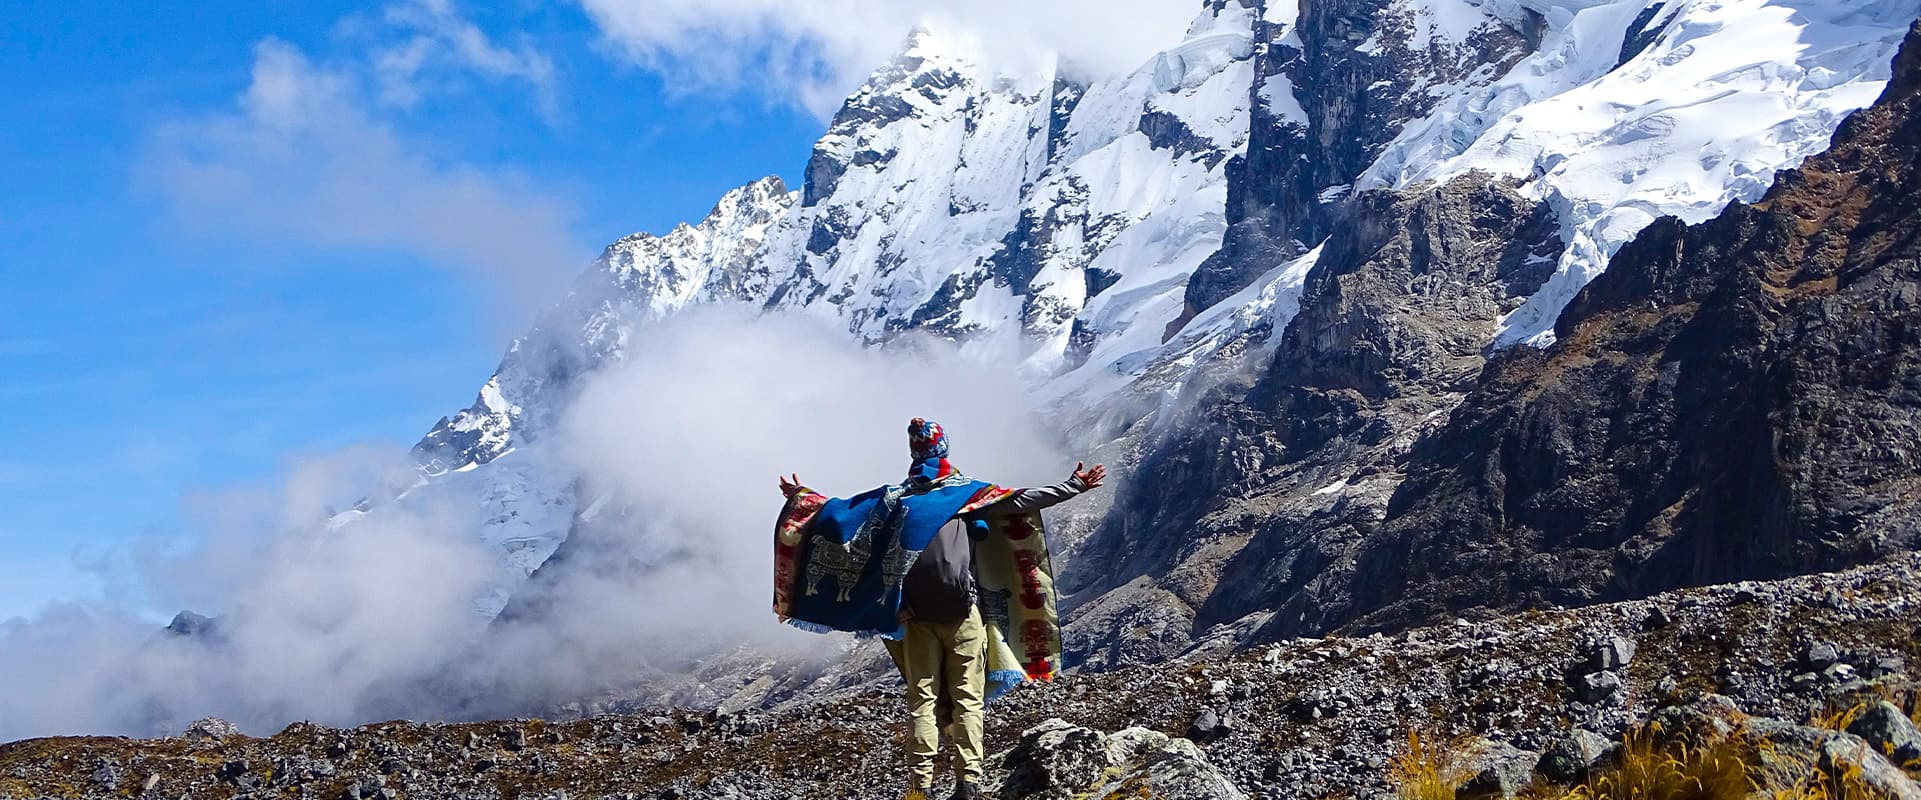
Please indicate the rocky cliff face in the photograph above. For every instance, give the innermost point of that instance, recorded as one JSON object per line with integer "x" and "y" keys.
{"x": 1263, "y": 498}
{"x": 1733, "y": 399}
{"x": 1334, "y": 86}
{"x": 1730, "y": 400}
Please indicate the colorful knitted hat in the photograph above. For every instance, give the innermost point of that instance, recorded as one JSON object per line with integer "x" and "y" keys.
{"x": 926, "y": 439}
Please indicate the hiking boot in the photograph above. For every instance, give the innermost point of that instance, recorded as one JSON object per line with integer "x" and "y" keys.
{"x": 966, "y": 791}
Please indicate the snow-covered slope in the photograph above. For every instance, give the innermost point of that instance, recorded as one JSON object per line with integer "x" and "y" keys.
{"x": 1630, "y": 111}
{"x": 1121, "y": 234}
{"x": 942, "y": 199}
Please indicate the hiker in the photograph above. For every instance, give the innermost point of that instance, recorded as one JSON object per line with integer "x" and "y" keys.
{"x": 945, "y": 645}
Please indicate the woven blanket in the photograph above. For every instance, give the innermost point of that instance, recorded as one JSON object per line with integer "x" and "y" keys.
{"x": 839, "y": 562}
{"x": 1015, "y": 578}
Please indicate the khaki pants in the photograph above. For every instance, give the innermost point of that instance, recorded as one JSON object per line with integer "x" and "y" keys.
{"x": 950, "y": 657}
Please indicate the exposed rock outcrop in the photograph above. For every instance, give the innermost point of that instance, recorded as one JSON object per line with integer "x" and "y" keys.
{"x": 1335, "y": 85}
{"x": 1056, "y": 760}
{"x": 1730, "y": 400}
{"x": 1259, "y": 503}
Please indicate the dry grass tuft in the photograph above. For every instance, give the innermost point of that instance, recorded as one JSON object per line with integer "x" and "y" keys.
{"x": 1429, "y": 770}
{"x": 1652, "y": 767}
{"x": 1804, "y": 779}
{"x": 1837, "y": 718}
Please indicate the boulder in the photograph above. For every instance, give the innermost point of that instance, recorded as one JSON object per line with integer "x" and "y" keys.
{"x": 1570, "y": 756}
{"x": 1889, "y": 730}
{"x": 1713, "y": 716}
{"x": 1596, "y": 687}
{"x": 1057, "y": 761}
{"x": 108, "y": 776}
{"x": 210, "y": 728}
{"x": 1612, "y": 654}
{"x": 1500, "y": 770}
{"x": 1820, "y": 656}
{"x": 1793, "y": 749}
{"x": 1207, "y": 726}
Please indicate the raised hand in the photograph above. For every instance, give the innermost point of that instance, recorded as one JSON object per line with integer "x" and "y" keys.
{"x": 790, "y": 484}
{"x": 1090, "y": 478}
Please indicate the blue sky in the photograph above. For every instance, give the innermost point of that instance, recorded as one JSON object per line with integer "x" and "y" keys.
{"x": 175, "y": 314}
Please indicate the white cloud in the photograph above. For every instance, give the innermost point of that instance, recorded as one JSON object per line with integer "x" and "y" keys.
{"x": 680, "y": 445}
{"x": 302, "y": 159}
{"x": 814, "y": 53}
{"x": 436, "y": 36}
{"x": 374, "y": 619}
{"x": 314, "y": 621}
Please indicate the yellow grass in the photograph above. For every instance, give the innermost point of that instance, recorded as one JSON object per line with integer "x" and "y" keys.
{"x": 1650, "y": 767}
{"x": 1428, "y": 770}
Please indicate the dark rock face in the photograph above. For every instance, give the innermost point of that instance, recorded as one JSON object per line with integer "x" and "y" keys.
{"x": 188, "y": 623}
{"x": 1738, "y": 399}
{"x": 1733, "y": 400}
{"x": 1165, "y": 131}
{"x": 1026, "y": 248}
{"x": 1356, "y": 99}
{"x": 1392, "y": 321}
{"x": 1641, "y": 33}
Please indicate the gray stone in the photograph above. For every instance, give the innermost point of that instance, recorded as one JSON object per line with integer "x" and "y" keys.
{"x": 1596, "y": 687}
{"x": 1057, "y": 761}
{"x": 1207, "y": 726}
{"x": 232, "y": 770}
{"x": 1714, "y": 715}
{"x": 1792, "y": 747}
{"x": 1609, "y": 655}
{"x": 1570, "y": 756}
{"x": 1889, "y": 730}
{"x": 1501, "y": 770}
{"x": 210, "y": 728}
{"x": 107, "y": 775}
{"x": 1820, "y": 656}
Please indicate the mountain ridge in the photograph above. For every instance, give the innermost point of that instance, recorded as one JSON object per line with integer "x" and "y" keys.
{"x": 1289, "y": 211}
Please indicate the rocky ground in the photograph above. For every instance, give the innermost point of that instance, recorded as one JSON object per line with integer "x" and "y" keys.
{"x": 1300, "y": 719}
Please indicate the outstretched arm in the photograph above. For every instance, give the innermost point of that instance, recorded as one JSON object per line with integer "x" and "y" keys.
{"x": 1045, "y": 496}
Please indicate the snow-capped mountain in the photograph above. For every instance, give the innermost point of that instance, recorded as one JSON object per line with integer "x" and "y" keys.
{"x": 1126, "y": 234}
{"x": 638, "y": 278}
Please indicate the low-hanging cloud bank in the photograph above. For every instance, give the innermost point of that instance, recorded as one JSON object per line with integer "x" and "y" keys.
{"x": 312, "y": 618}
{"x": 676, "y": 451}
{"x": 679, "y": 448}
